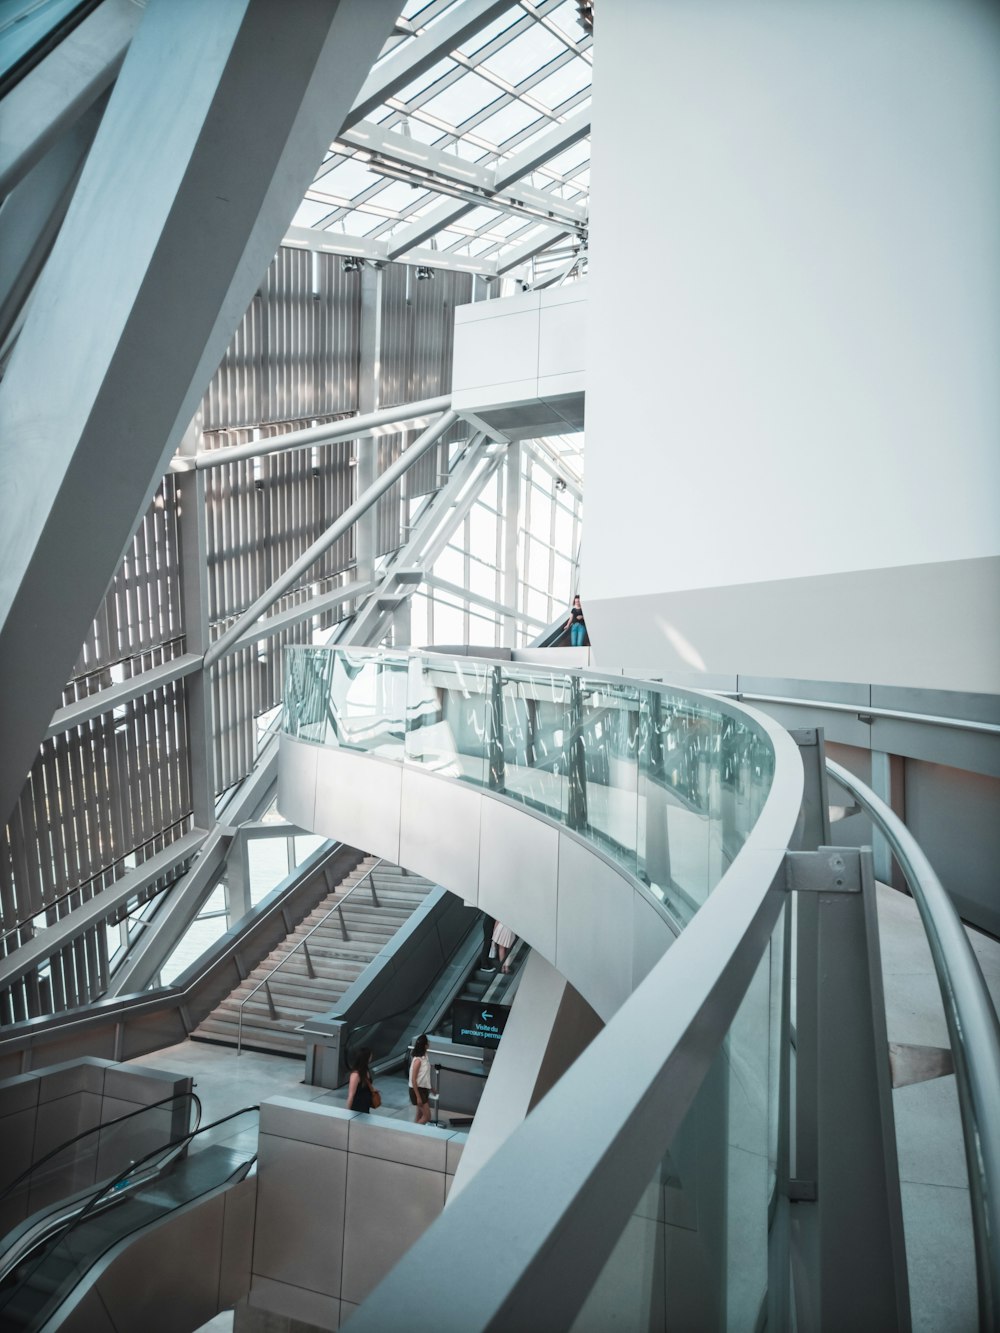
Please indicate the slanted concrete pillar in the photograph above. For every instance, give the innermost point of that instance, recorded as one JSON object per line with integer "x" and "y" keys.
{"x": 549, "y": 1026}
{"x": 215, "y": 126}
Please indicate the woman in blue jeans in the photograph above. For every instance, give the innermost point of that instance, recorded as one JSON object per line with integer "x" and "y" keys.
{"x": 576, "y": 626}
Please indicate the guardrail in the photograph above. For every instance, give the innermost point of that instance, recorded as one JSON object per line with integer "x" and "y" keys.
{"x": 728, "y": 782}
{"x": 542, "y": 1217}
{"x": 168, "y": 1014}
{"x": 866, "y": 712}
{"x": 972, "y": 1028}
{"x": 303, "y": 945}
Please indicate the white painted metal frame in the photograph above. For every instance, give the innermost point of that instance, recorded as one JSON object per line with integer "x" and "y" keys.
{"x": 396, "y": 130}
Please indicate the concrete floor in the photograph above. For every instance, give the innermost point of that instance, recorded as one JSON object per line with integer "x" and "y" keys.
{"x": 929, "y": 1142}
{"x": 929, "y": 1138}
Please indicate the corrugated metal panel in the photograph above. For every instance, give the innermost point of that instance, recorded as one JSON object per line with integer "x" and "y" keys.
{"x": 105, "y": 796}
{"x": 418, "y": 319}
{"x": 99, "y": 799}
{"x": 142, "y": 607}
{"x": 295, "y": 353}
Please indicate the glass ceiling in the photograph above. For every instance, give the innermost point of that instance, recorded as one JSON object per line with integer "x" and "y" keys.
{"x": 424, "y": 176}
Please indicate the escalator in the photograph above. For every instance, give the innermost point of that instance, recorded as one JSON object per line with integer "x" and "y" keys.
{"x": 48, "y": 1195}
{"x": 39, "y": 1278}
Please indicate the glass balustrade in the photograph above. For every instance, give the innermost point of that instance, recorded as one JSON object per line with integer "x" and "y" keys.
{"x": 667, "y": 783}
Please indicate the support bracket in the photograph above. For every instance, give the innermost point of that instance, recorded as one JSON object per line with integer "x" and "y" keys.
{"x": 826, "y": 870}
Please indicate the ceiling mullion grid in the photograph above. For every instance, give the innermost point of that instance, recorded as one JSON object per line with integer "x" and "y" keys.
{"x": 494, "y": 154}
{"x": 454, "y": 133}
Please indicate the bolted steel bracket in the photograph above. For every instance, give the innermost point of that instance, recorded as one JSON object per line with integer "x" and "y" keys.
{"x": 827, "y": 870}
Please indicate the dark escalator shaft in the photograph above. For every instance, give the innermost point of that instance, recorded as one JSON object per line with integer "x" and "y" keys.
{"x": 37, "y": 1287}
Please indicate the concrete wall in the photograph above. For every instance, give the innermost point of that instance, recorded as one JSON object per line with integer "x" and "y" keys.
{"x": 39, "y": 1111}
{"x": 519, "y": 363}
{"x": 340, "y": 1197}
{"x": 176, "y": 1273}
{"x": 794, "y": 328}
{"x": 546, "y": 883}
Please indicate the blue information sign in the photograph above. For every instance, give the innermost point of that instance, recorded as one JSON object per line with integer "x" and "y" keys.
{"x": 476, "y": 1023}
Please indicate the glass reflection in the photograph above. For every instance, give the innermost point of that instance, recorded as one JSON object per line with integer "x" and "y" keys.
{"x": 668, "y": 785}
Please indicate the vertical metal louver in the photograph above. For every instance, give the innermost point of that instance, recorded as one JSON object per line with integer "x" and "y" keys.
{"x": 104, "y": 796}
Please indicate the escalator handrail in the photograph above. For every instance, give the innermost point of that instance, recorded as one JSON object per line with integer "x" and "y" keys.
{"x": 169, "y": 1151}
{"x": 98, "y": 1129}
{"x": 973, "y": 1030}
{"x": 109, "y": 1187}
{"x": 407, "y": 1008}
{"x": 338, "y": 906}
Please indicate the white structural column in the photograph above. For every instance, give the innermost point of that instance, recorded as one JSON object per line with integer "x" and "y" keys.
{"x": 549, "y": 1026}
{"x": 511, "y": 545}
{"x": 214, "y": 129}
{"x": 197, "y": 633}
{"x": 369, "y": 400}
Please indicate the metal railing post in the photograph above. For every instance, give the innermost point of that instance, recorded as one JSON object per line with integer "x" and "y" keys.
{"x": 973, "y": 1030}
{"x": 852, "y": 1205}
{"x": 337, "y": 907}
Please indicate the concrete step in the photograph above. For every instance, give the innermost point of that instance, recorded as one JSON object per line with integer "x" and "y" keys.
{"x": 335, "y": 961}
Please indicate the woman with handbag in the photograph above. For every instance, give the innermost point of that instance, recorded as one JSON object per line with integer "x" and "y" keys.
{"x": 420, "y": 1080}
{"x": 362, "y": 1095}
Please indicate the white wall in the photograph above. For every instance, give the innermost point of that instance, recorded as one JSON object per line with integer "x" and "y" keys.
{"x": 795, "y": 315}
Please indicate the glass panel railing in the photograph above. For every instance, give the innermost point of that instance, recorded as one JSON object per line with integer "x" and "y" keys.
{"x": 666, "y": 783}
{"x": 91, "y": 1157}
{"x": 347, "y": 698}
{"x": 697, "y": 1244}
{"x": 149, "y": 1189}
{"x": 671, "y": 1175}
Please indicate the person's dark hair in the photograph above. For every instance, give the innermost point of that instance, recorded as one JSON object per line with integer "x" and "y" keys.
{"x": 362, "y": 1062}
{"x": 420, "y": 1045}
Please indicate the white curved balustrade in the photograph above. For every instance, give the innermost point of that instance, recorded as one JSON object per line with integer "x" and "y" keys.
{"x": 592, "y": 815}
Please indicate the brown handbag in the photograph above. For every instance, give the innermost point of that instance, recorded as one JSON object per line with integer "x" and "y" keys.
{"x": 376, "y": 1099}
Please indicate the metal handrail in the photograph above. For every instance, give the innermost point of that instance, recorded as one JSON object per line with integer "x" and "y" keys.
{"x": 534, "y": 1202}
{"x": 192, "y": 1097}
{"x": 973, "y": 1029}
{"x": 125, "y": 1183}
{"x": 29, "y": 921}
{"x": 338, "y": 907}
{"x": 864, "y": 711}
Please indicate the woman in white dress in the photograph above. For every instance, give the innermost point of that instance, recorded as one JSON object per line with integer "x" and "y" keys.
{"x": 503, "y": 939}
{"x": 420, "y": 1080}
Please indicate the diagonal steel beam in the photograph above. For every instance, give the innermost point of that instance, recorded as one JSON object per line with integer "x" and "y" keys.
{"x": 426, "y": 166}
{"x": 73, "y": 924}
{"x": 33, "y": 212}
{"x": 549, "y": 145}
{"x": 239, "y": 101}
{"x": 537, "y": 243}
{"x": 411, "y": 59}
{"x": 333, "y": 533}
{"x": 543, "y": 149}
{"x": 350, "y": 428}
{"x": 49, "y": 99}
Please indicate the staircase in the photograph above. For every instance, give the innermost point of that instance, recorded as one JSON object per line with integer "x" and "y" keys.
{"x": 336, "y": 962}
